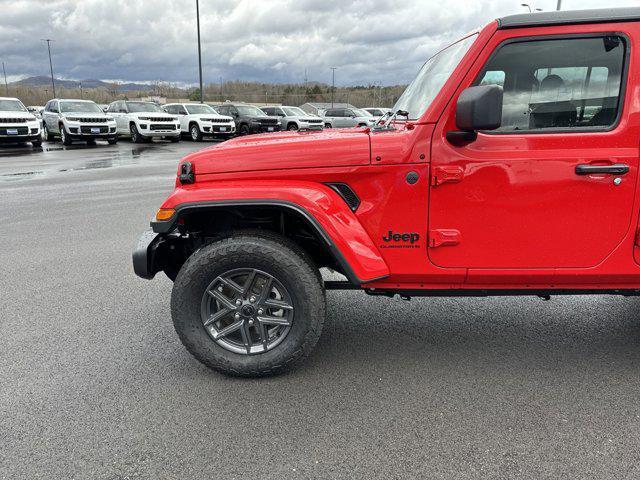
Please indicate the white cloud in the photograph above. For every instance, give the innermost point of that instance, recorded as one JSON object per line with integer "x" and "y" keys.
{"x": 266, "y": 40}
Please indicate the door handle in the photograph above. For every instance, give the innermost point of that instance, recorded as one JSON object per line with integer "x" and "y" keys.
{"x": 615, "y": 169}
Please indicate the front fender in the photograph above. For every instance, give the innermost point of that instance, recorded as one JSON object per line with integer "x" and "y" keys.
{"x": 320, "y": 205}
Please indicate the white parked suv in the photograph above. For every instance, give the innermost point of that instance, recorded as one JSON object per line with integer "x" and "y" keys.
{"x": 144, "y": 121}
{"x": 199, "y": 120}
{"x": 348, "y": 117}
{"x": 77, "y": 120}
{"x": 294, "y": 118}
{"x": 17, "y": 125}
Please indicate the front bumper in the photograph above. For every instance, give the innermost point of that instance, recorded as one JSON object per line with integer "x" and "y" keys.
{"x": 217, "y": 129}
{"x": 144, "y": 254}
{"x": 258, "y": 128}
{"x": 150, "y": 129}
{"x": 19, "y": 133}
{"x": 84, "y": 131}
{"x": 311, "y": 126}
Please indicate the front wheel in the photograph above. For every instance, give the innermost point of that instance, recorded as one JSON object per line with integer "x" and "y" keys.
{"x": 135, "y": 134}
{"x": 196, "y": 134}
{"x": 36, "y": 143}
{"x": 46, "y": 134}
{"x": 64, "y": 136}
{"x": 249, "y": 305}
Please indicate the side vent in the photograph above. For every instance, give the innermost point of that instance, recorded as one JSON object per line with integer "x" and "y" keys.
{"x": 348, "y": 195}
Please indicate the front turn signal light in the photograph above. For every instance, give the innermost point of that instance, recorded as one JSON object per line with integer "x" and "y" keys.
{"x": 164, "y": 214}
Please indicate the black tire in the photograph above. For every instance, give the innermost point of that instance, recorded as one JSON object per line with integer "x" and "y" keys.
{"x": 91, "y": 141}
{"x": 36, "y": 143}
{"x": 66, "y": 140}
{"x": 112, "y": 141}
{"x": 135, "y": 134}
{"x": 292, "y": 127}
{"x": 244, "y": 129}
{"x": 47, "y": 134}
{"x": 195, "y": 133}
{"x": 327, "y": 125}
{"x": 174, "y": 139}
{"x": 270, "y": 253}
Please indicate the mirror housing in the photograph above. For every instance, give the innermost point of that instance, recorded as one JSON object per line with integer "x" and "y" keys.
{"x": 479, "y": 108}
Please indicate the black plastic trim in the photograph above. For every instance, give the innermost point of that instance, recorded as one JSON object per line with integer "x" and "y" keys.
{"x": 346, "y": 193}
{"x": 143, "y": 255}
{"x": 568, "y": 17}
{"x": 167, "y": 226}
{"x": 459, "y": 292}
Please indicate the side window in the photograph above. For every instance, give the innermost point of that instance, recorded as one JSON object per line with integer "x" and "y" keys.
{"x": 112, "y": 108}
{"x": 46, "y": 107}
{"x": 558, "y": 83}
{"x": 330, "y": 113}
{"x": 268, "y": 110}
{"x": 181, "y": 110}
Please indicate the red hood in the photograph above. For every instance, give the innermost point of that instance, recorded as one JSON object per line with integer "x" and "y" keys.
{"x": 284, "y": 150}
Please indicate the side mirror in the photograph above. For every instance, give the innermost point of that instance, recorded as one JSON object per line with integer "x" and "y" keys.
{"x": 478, "y": 108}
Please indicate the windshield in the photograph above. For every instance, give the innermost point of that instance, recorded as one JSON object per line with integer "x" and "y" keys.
{"x": 84, "y": 107}
{"x": 12, "y": 106}
{"x": 431, "y": 77}
{"x": 361, "y": 113}
{"x": 250, "y": 111}
{"x": 137, "y": 107}
{"x": 294, "y": 111}
{"x": 197, "y": 109}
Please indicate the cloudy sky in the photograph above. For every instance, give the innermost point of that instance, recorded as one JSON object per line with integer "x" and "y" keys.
{"x": 369, "y": 41}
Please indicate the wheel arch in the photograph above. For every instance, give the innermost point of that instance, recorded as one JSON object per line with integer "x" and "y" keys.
{"x": 333, "y": 236}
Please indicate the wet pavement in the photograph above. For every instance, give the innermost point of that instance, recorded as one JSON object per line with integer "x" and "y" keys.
{"x": 94, "y": 382}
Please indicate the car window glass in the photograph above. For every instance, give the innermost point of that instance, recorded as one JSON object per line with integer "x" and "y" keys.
{"x": 558, "y": 83}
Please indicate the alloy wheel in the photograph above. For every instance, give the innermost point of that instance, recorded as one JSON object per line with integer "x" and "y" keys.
{"x": 247, "y": 311}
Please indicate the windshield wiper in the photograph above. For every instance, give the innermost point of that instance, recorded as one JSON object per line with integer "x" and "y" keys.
{"x": 392, "y": 116}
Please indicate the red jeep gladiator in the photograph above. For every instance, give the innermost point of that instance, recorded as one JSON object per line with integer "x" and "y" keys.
{"x": 509, "y": 167}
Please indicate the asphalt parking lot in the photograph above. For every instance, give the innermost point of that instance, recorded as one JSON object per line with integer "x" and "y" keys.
{"x": 95, "y": 383}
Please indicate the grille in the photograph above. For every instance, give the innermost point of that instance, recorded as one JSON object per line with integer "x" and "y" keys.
{"x": 21, "y": 130}
{"x": 160, "y": 126}
{"x": 313, "y": 120}
{"x": 269, "y": 121}
{"x": 13, "y": 120}
{"x": 88, "y": 129}
{"x": 217, "y": 120}
{"x": 93, "y": 120}
{"x": 162, "y": 119}
{"x": 348, "y": 195}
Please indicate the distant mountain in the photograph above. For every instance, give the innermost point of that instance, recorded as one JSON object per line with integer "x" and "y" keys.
{"x": 42, "y": 81}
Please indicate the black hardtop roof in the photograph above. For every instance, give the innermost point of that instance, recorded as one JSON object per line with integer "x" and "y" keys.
{"x": 567, "y": 17}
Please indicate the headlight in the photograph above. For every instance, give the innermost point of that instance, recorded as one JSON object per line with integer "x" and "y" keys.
{"x": 110, "y": 119}
{"x": 144, "y": 118}
{"x": 72, "y": 119}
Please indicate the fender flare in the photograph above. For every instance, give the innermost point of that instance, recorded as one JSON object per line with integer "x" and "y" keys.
{"x": 332, "y": 219}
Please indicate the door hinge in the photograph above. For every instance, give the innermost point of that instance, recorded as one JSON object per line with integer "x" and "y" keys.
{"x": 446, "y": 175}
{"x": 443, "y": 236}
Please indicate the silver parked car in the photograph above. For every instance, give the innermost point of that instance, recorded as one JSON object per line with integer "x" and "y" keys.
{"x": 294, "y": 118}
{"x": 348, "y": 117}
{"x": 377, "y": 112}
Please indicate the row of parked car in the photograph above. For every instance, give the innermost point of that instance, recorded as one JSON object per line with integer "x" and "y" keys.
{"x": 83, "y": 120}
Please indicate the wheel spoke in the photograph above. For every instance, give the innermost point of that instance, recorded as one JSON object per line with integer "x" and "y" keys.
{"x": 273, "y": 320}
{"x": 249, "y": 282}
{"x": 279, "y": 304}
{"x": 246, "y": 336}
{"x": 266, "y": 290}
{"x": 227, "y": 330}
{"x": 231, "y": 284}
{"x": 216, "y": 316}
{"x": 264, "y": 335}
{"x": 224, "y": 301}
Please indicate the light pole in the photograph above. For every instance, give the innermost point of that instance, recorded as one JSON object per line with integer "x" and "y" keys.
{"x": 199, "y": 51}
{"x": 6, "y": 85}
{"x": 333, "y": 84}
{"x": 80, "y": 90}
{"x": 559, "y": 5}
{"x": 53, "y": 83}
